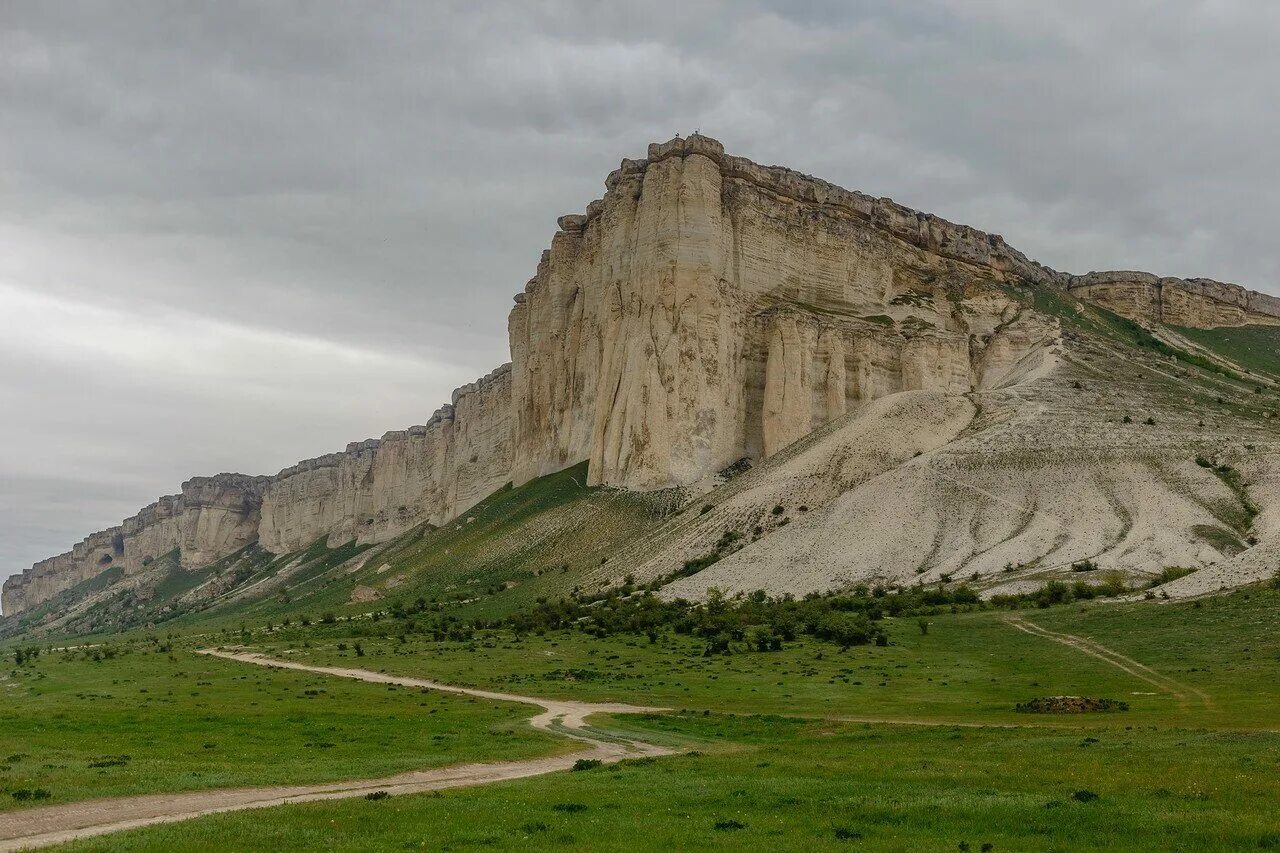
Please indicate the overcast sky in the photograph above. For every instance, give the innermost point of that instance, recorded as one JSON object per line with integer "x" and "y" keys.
{"x": 236, "y": 235}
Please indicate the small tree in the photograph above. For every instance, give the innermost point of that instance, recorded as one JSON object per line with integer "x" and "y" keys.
{"x": 1113, "y": 583}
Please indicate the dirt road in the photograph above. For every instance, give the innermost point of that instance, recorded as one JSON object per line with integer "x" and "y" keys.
{"x": 29, "y": 828}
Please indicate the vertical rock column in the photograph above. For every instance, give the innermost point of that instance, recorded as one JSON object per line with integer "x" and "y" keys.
{"x": 670, "y": 391}
{"x": 555, "y": 351}
{"x": 806, "y": 381}
{"x": 788, "y": 384}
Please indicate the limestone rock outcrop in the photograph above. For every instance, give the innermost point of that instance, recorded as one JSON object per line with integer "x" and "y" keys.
{"x": 705, "y": 310}
{"x": 378, "y": 489}
{"x": 709, "y": 309}
{"x": 211, "y": 517}
{"x": 1196, "y": 303}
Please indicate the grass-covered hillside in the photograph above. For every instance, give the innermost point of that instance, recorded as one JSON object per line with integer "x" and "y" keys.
{"x": 1255, "y": 348}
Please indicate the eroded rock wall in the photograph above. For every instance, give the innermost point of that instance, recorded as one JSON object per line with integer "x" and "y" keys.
{"x": 371, "y": 492}
{"x": 1196, "y": 303}
{"x": 709, "y": 309}
{"x": 377, "y": 489}
{"x": 705, "y": 310}
{"x": 210, "y": 518}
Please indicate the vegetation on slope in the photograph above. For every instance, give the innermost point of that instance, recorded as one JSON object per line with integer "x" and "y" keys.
{"x": 1255, "y": 348}
{"x": 504, "y": 553}
{"x": 513, "y": 547}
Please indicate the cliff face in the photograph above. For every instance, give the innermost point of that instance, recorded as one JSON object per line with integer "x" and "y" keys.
{"x": 1197, "y": 303}
{"x": 707, "y": 309}
{"x": 378, "y": 489}
{"x": 212, "y": 516}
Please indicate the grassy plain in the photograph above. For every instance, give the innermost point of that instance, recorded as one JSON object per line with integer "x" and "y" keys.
{"x": 968, "y": 667}
{"x": 147, "y": 719}
{"x": 772, "y": 760}
{"x": 784, "y": 784}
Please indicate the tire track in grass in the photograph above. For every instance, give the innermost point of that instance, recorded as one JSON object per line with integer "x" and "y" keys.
{"x": 1180, "y": 691}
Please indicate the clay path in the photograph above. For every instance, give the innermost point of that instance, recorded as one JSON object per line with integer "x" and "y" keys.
{"x": 38, "y": 827}
{"x": 1141, "y": 671}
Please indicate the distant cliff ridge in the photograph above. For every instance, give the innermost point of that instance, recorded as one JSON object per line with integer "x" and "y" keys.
{"x": 212, "y": 516}
{"x": 707, "y": 309}
{"x": 1196, "y": 303}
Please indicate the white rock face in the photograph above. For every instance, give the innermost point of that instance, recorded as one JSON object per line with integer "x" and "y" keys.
{"x": 212, "y": 517}
{"x": 378, "y": 489}
{"x": 706, "y": 310}
{"x": 1197, "y": 303}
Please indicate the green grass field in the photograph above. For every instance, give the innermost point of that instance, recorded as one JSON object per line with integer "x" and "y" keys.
{"x": 768, "y": 762}
{"x": 770, "y": 783}
{"x": 970, "y": 667}
{"x": 149, "y": 720}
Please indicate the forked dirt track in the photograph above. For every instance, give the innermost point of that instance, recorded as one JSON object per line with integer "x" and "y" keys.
{"x": 29, "y": 828}
{"x": 1180, "y": 691}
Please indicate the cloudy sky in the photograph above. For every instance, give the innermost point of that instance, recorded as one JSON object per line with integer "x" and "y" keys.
{"x": 234, "y": 235}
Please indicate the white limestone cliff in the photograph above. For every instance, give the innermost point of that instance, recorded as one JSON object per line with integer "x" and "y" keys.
{"x": 707, "y": 309}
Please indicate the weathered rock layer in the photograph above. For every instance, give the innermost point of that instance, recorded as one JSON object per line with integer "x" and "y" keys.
{"x": 707, "y": 309}
{"x": 212, "y": 516}
{"x": 378, "y": 489}
{"x": 1195, "y": 303}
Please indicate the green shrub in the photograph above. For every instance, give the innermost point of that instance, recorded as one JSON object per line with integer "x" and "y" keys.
{"x": 846, "y": 629}
{"x": 1169, "y": 574}
{"x": 1113, "y": 583}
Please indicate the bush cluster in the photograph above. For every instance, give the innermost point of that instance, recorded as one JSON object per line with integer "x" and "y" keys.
{"x": 756, "y": 622}
{"x": 1058, "y": 592}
